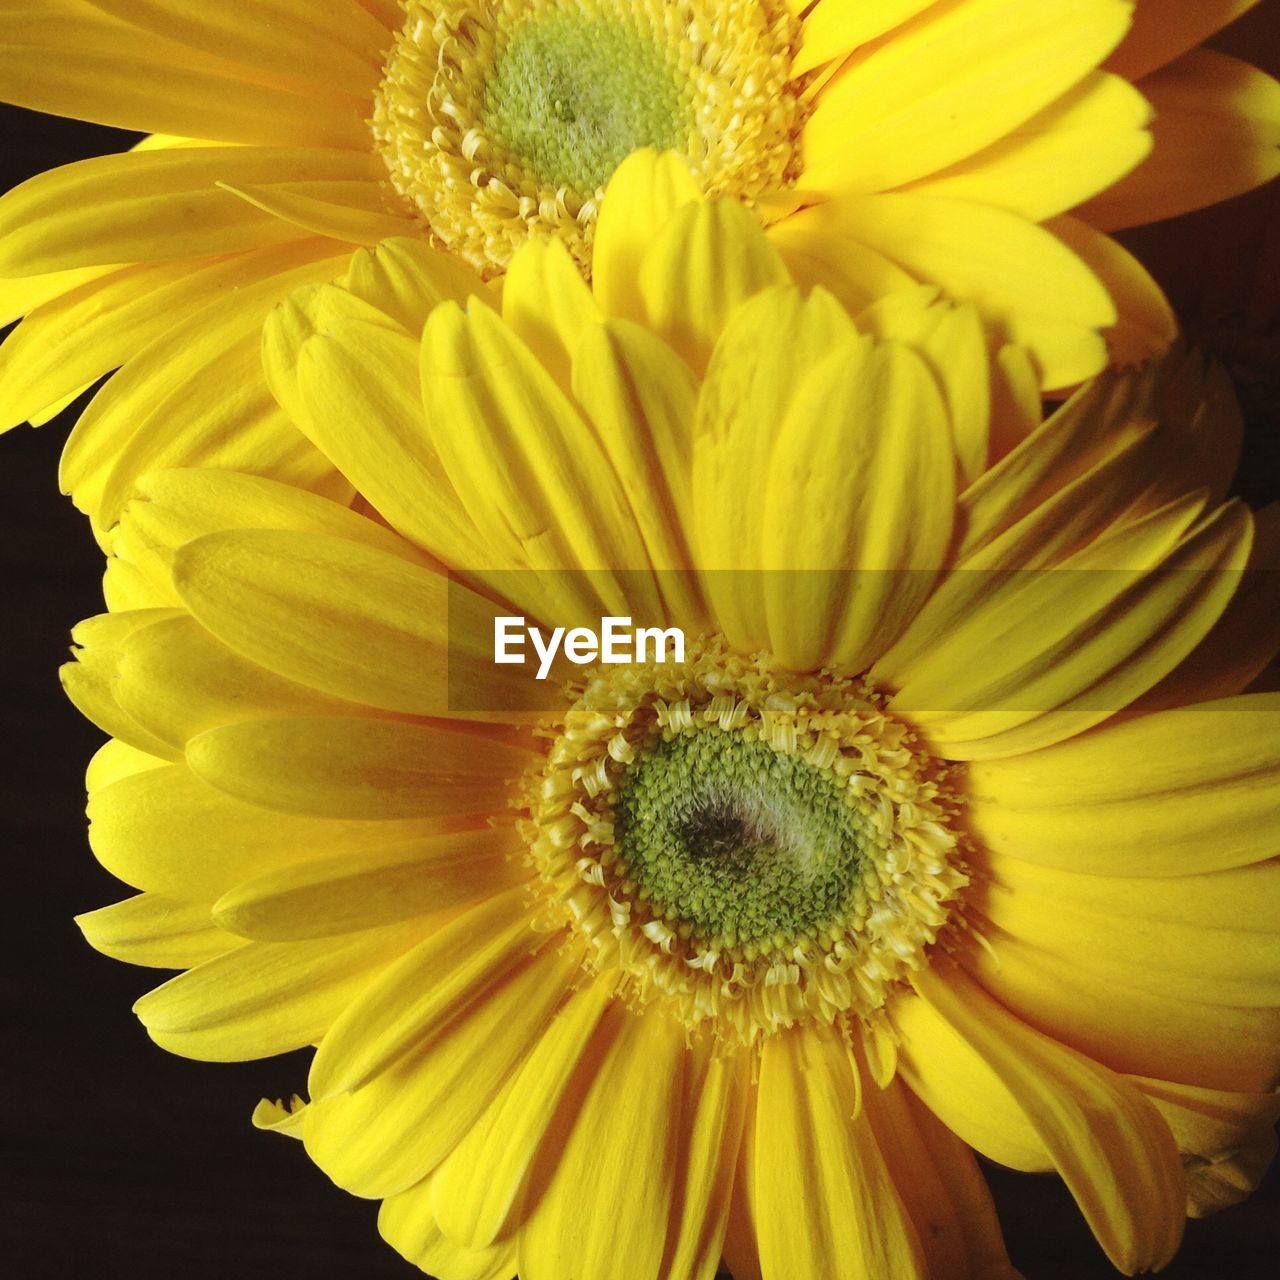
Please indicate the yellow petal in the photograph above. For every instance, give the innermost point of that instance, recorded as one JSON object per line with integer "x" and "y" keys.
{"x": 343, "y": 767}
{"x": 1128, "y": 1027}
{"x": 157, "y": 205}
{"x": 1146, "y": 326}
{"x": 477, "y": 1189}
{"x": 748, "y": 389}
{"x": 1217, "y": 133}
{"x": 1131, "y": 800}
{"x": 953, "y": 82}
{"x": 865, "y": 438}
{"x": 266, "y": 998}
{"x": 337, "y": 617}
{"x": 644, "y": 192}
{"x": 407, "y": 1223}
{"x": 1025, "y": 282}
{"x": 163, "y": 933}
{"x": 1203, "y": 938}
{"x": 275, "y": 1117}
{"x": 406, "y": 279}
{"x": 386, "y": 1135}
{"x": 634, "y": 1091}
{"x": 360, "y": 890}
{"x": 944, "y": 1192}
{"x": 91, "y": 681}
{"x": 171, "y": 405}
{"x": 354, "y": 390}
{"x": 641, "y": 398}
{"x": 704, "y": 262}
{"x": 951, "y": 342}
{"x": 548, "y": 305}
{"x": 355, "y": 210}
{"x": 112, "y": 73}
{"x": 173, "y": 508}
{"x": 1080, "y": 145}
{"x": 177, "y": 680}
{"x": 1075, "y": 644}
{"x": 1110, "y": 1145}
{"x": 23, "y": 294}
{"x": 530, "y": 473}
{"x": 824, "y": 1199}
{"x": 833, "y": 28}
{"x": 146, "y": 819}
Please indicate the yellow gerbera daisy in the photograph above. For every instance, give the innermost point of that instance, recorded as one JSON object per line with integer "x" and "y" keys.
{"x": 937, "y": 141}
{"x": 926, "y": 843}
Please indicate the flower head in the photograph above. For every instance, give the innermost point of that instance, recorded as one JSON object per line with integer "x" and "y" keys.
{"x": 925, "y": 843}
{"x": 981, "y": 147}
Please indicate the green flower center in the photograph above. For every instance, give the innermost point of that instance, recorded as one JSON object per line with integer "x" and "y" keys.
{"x": 731, "y": 841}
{"x": 572, "y": 94}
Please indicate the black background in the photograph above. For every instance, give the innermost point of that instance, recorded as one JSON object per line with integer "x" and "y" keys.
{"x": 117, "y": 1159}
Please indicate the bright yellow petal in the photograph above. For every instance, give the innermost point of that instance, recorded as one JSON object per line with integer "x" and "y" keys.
{"x": 286, "y": 39}
{"x": 157, "y": 205}
{"x": 477, "y": 1189}
{"x": 1110, "y": 1145}
{"x": 618, "y": 1141}
{"x": 385, "y": 1136}
{"x": 644, "y": 192}
{"x": 266, "y": 998}
{"x": 1026, "y": 283}
{"x": 408, "y": 1224}
{"x": 163, "y": 830}
{"x": 163, "y": 933}
{"x": 833, "y": 28}
{"x": 341, "y": 767}
{"x": 171, "y": 405}
{"x": 748, "y": 389}
{"x": 71, "y": 60}
{"x": 703, "y": 263}
{"x": 864, "y": 438}
{"x": 824, "y": 1199}
{"x": 1132, "y": 800}
{"x": 1082, "y": 144}
{"x": 357, "y": 211}
{"x": 360, "y": 890}
{"x": 946, "y": 86}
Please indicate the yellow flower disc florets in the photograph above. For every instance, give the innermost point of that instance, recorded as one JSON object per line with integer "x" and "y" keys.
{"x": 753, "y": 847}
{"x": 502, "y": 118}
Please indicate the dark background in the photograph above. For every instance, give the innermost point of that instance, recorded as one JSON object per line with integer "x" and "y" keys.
{"x": 117, "y": 1159}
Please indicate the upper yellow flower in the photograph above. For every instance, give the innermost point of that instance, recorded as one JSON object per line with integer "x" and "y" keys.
{"x": 932, "y": 839}
{"x": 881, "y": 142}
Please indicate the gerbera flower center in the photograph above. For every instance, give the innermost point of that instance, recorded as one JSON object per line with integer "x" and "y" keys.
{"x": 750, "y": 846}
{"x": 499, "y": 119}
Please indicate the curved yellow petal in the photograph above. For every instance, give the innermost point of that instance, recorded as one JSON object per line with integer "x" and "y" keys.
{"x": 343, "y": 767}
{"x": 1028, "y": 286}
{"x": 386, "y": 1135}
{"x": 266, "y": 998}
{"x": 408, "y": 1224}
{"x": 477, "y": 1190}
{"x": 1080, "y": 145}
{"x": 618, "y": 1140}
{"x": 162, "y": 933}
{"x": 948, "y": 85}
{"x": 834, "y": 28}
{"x": 361, "y": 890}
{"x": 824, "y": 1198}
{"x": 1110, "y": 1145}
{"x": 1130, "y": 799}
{"x": 72, "y": 60}
{"x": 645, "y": 190}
